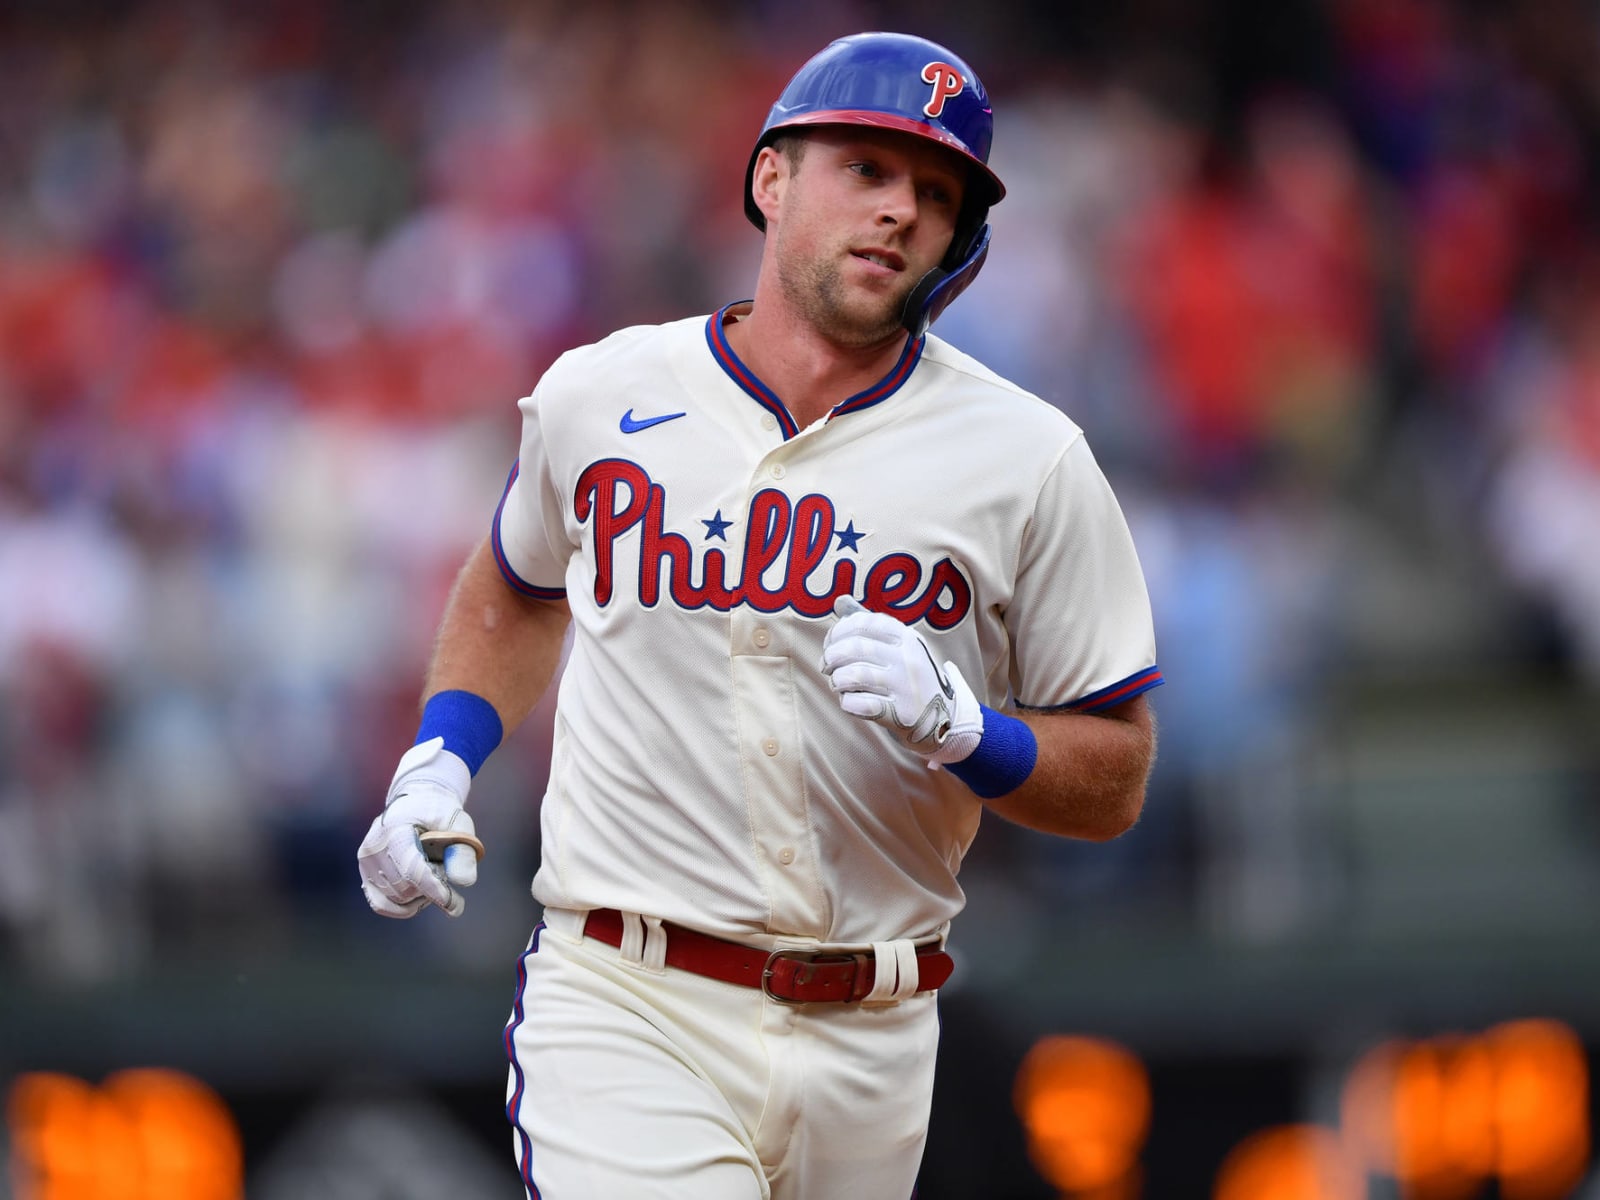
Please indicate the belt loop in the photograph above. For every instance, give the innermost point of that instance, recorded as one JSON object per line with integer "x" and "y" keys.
{"x": 655, "y": 945}
{"x": 568, "y": 922}
{"x": 895, "y": 974}
{"x": 910, "y": 975}
{"x": 632, "y": 947}
{"x": 885, "y": 975}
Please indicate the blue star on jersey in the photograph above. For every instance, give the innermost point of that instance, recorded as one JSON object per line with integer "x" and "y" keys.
{"x": 848, "y": 537}
{"x": 716, "y": 526}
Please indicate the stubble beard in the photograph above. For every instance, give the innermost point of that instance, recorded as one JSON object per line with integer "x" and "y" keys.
{"x": 818, "y": 292}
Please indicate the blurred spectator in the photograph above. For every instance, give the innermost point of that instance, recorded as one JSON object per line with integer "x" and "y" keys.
{"x": 1543, "y": 508}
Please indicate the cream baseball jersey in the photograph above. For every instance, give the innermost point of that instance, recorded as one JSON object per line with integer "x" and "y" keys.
{"x": 702, "y": 770}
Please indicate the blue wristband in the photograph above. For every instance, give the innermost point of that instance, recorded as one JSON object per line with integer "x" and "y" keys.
{"x": 1004, "y": 758}
{"x": 466, "y": 721}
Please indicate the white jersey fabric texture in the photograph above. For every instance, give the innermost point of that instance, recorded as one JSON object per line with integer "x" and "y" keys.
{"x": 702, "y": 770}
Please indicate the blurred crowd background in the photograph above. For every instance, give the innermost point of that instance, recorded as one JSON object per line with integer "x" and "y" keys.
{"x": 1321, "y": 280}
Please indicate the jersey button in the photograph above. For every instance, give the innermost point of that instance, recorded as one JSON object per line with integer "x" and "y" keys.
{"x": 761, "y": 638}
{"x": 768, "y": 421}
{"x": 770, "y": 746}
{"x": 777, "y": 471}
{"x": 786, "y": 856}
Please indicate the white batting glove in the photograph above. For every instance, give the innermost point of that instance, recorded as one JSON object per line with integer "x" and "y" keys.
{"x": 429, "y": 788}
{"x": 883, "y": 671}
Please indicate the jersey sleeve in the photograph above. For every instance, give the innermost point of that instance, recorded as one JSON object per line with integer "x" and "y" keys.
{"x": 1079, "y": 621}
{"x": 529, "y": 533}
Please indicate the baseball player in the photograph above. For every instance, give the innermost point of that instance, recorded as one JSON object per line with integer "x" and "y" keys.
{"x": 835, "y": 589}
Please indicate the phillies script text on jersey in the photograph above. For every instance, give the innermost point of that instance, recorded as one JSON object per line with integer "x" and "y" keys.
{"x": 616, "y": 495}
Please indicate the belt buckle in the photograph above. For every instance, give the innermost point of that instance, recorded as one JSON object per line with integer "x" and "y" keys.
{"x": 807, "y": 956}
{"x": 766, "y": 976}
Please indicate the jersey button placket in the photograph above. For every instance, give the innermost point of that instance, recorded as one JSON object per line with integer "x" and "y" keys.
{"x": 765, "y": 679}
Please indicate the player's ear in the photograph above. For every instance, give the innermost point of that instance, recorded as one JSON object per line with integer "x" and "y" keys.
{"x": 769, "y": 180}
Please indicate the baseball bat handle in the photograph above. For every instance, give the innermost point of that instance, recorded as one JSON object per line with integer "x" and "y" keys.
{"x": 434, "y": 842}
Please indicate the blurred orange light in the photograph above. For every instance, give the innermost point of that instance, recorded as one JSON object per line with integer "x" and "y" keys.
{"x": 1445, "y": 1115}
{"x": 1366, "y": 1107}
{"x": 1289, "y": 1162}
{"x": 1442, "y": 1102}
{"x": 1085, "y": 1105}
{"x": 1541, "y": 1110}
{"x": 144, "y": 1135}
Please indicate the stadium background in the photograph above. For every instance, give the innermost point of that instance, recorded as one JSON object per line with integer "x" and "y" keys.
{"x": 1319, "y": 278}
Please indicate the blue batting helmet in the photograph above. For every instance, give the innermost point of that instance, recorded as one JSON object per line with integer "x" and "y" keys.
{"x": 905, "y": 83}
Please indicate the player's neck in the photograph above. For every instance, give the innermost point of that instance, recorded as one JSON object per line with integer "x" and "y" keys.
{"x": 807, "y": 371}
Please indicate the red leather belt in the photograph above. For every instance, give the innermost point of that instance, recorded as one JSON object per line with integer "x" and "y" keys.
{"x": 791, "y": 976}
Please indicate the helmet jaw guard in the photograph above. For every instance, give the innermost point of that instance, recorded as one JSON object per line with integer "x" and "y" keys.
{"x": 909, "y": 84}
{"x": 940, "y": 286}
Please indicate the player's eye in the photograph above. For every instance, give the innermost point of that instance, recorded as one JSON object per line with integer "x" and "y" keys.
{"x": 866, "y": 170}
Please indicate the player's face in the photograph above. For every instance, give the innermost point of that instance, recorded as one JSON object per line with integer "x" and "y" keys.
{"x": 866, "y": 214}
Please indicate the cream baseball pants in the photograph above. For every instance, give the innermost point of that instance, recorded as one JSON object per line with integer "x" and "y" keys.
{"x": 631, "y": 1083}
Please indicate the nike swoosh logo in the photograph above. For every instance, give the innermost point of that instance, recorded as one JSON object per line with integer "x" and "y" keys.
{"x": 944, "y": 684}
{"x": 629, "y": 425}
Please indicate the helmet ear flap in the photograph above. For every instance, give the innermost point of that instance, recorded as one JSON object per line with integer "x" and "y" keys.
{"x": 936, "y": 289}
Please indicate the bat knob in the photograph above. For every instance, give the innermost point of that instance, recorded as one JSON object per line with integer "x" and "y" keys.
{"x": 436, "y": 841}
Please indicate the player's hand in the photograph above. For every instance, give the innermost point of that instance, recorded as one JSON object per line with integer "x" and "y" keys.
{"x": 883, "y": 671}
{"x": 429, "y": 788}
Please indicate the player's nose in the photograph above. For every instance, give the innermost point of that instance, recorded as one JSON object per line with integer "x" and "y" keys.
{"x": 897, "y": 202}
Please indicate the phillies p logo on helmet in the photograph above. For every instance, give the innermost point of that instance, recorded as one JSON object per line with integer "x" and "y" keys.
{"x": 947, "y": 82}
